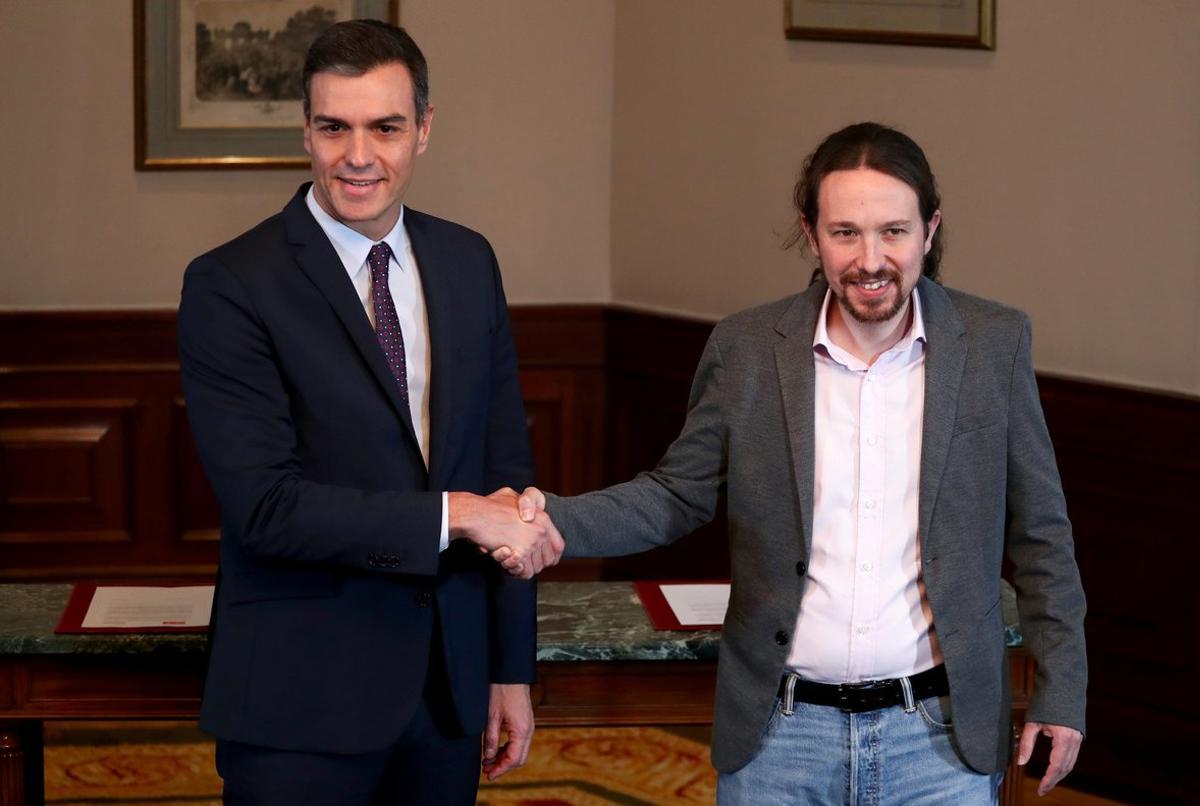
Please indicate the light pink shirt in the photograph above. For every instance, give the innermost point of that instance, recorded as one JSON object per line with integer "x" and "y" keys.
{"x": 864, "y": 614}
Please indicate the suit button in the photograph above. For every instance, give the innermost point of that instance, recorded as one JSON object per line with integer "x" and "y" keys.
{"x": 801, "y": 568}
{"x": 372, "y": 560}
{"x": 424, "y": 599}
{"x": 781, "y": 638}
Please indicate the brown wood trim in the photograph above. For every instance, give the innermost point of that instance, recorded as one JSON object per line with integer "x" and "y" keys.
{"x": 559, "y": 335}
{"x": 84, "y": 338}
{"x": 12, "y": 767}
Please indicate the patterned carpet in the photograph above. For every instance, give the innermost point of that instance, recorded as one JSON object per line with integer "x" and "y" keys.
{"x": 172, "y": 763}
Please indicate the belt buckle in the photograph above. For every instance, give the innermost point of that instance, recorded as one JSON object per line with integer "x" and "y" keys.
{"x": 849, "y": 698}
{"x": 845, "y": 692}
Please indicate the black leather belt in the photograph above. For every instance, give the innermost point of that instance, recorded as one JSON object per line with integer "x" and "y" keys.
{"x": 869, "y": 695}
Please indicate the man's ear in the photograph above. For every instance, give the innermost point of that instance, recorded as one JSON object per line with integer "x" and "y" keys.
{"x": 423, "y": 130}
{"x": 809, "y": 235}
{"x": 930, "y": 228}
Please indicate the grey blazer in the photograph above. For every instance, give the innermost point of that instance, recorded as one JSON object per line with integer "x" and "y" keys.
{"x": 989, "y": 486}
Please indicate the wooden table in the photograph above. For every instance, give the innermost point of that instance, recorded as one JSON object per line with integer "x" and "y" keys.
{"x": 599, "y": 663}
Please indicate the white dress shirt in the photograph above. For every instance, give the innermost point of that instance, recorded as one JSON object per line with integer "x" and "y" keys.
{"x": 404, "y": 283}
{"x": 864, "y": 614}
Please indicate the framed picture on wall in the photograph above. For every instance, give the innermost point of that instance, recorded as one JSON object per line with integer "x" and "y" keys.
{"x": 940, "y": 23}
{"x": 217, "y": 83}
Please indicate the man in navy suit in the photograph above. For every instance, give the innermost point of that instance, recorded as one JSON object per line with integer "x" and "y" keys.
{"x": 352, "y": 387}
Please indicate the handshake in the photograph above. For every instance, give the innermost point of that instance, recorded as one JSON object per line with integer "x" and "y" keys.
{"x": 514, "y": 529}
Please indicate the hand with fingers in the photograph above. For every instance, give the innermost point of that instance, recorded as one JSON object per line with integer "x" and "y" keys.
{"x": 523, "y": 547}
{"x": 1064, "y": 749}
{"x": 531, "y": 505}
{"x": 510, "y": 712}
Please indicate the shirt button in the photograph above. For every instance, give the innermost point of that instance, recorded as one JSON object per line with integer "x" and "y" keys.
{"x": 866, "y": 567}
{"x": 424, "y": 599}
{"x": 781, "y": 638}
{"x": 863, "y": 629}
{"x": 869, "y": 503}
{"x": 801, "y": 568}
{"x": 871, "y": 440}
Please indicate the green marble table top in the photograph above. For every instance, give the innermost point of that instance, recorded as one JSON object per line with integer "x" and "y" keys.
{"x": 577, "y": 621}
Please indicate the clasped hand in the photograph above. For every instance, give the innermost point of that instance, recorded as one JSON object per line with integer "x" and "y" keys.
{"x": 513, "y": 530}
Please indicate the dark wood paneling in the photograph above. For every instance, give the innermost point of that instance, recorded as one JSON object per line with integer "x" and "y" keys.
{"x": 1130, "y": 461}
{"x": 651, "y": 360}
{"x": 565, "y": 336}
{"x": 99, "y": 478}
{"x": 87, "y": 340}
{"x": 649, "y": 693}
{"x": 63, "y": 475}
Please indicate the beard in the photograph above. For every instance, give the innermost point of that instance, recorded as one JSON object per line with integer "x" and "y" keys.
{"x": 871, "y": 311}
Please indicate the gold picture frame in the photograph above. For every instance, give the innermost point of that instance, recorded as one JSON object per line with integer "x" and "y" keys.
{"x": 935, "y": 23}
{"x": 216, "y": 81}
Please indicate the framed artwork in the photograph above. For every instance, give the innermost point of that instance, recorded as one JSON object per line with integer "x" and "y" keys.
{"x": 217, "y": 83}
{"x": 940, "y": 23}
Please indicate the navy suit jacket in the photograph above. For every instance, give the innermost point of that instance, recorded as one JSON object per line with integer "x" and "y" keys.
{"x": 331, "y": 584}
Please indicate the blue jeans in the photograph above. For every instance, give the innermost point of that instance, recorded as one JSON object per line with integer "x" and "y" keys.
{"x": 821, "y": 755}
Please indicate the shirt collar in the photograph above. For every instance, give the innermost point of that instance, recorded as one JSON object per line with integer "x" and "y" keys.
{"x": 351, "y": 246}
{"x": 915, "y": 332}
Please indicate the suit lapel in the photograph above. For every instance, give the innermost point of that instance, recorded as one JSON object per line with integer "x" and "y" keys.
{"x": 319, "y": 261}
{"x": 794, "y": 365}
{"x": 945, "y": 357}
{"x": 436, "y": 271}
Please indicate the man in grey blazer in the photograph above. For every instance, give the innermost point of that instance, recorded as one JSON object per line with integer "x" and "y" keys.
{"x": 882, "y": 447}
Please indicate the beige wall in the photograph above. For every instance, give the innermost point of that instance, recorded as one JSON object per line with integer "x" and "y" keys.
{"x": 1069, "y": 161}
{"x": 520, "y": 150}
{"x": 643, "y": 151}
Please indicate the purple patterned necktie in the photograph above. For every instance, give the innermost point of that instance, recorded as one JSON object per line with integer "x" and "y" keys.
{"x": 387, "y": 324}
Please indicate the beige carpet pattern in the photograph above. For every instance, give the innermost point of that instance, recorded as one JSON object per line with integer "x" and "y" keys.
{"x": 172, "y": 764}
{"x": 88, "y": 764}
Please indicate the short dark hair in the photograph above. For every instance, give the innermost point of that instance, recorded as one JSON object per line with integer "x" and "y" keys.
{"x": 354, "y": 47}
{"x": 880, "y": 148}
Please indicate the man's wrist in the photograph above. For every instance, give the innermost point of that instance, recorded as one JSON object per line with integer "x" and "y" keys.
{"x": 459, "y": 506}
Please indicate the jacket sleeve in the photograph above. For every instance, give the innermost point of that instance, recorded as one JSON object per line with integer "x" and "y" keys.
{"x": 662, "y": 505}
{"x": 238, "y": 406}
{"x": 1039, "y": 543}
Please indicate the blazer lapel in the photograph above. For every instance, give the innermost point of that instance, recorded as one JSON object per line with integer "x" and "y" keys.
{"x": 436, "y": 274}
{"x": 794, "y": 365}
{"x": 945, "y": 357}
{"x": 320, "y": 262}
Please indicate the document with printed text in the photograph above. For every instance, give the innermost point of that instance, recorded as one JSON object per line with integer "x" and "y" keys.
{"x": 141, "y": 606}
{"x": 695, "y": 604}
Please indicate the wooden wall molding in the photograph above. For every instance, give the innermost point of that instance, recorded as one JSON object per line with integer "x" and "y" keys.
{"x": 63, "y": 476}
{"x": 99, "y": 479}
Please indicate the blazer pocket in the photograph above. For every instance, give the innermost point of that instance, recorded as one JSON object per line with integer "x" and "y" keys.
{"x": 976, "y": 422}
{"x": 261, "y": 586}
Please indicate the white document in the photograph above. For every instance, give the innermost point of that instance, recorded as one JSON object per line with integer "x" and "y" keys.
{"x": 132, "y": 607}
{"x": 697, "y": 604}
